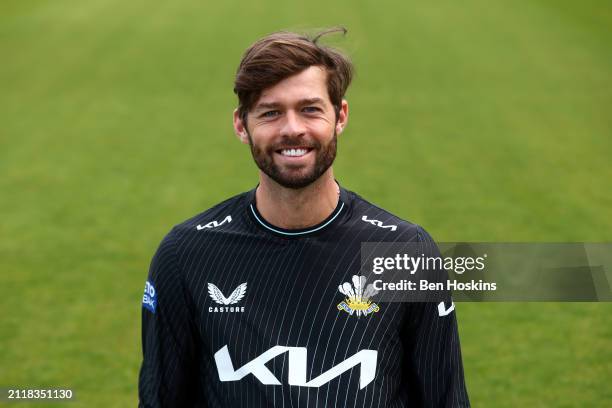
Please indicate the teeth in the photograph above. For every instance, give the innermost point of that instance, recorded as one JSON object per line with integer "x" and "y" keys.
{"x": 294, "y": 152}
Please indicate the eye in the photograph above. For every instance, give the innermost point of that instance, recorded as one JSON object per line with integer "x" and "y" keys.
{"x": 311, "y": 109}
{"x": 269, "y": 114}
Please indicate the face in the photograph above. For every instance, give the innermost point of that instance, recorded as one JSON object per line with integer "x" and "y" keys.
{"x": 292, "y": 129}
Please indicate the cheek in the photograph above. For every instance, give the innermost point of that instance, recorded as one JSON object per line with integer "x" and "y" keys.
{"x": 262, "y": 133}
{"x": 327, "y": 121}
{"x": 323, "y": 129}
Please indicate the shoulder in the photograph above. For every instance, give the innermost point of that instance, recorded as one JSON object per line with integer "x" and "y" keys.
{"x": 192, "y": 237}
{"x": 226, "y": 212}
{"x": 385, "y": 223}
{"x": 221, "y": 218}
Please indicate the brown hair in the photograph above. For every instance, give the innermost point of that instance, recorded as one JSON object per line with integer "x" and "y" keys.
{"x": 282, "y": 54}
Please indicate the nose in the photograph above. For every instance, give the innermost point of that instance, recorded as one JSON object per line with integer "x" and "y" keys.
{"x": 292, "y": 125}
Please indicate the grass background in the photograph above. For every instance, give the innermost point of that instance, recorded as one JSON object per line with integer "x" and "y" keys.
{"x": 479, "y": 120}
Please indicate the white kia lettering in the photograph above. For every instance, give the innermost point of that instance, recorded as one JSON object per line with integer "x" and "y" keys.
{"x": 215, "y": 224}
{"x": 379, "y": 223}
{"x": 443, "y": 311}
{"x": 297, "y": 367}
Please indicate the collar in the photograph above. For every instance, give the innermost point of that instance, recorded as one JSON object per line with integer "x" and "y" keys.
{"x": 255, "y": 216}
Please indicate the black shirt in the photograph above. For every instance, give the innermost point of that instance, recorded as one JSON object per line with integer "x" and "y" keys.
{"x": 240, "y": 313}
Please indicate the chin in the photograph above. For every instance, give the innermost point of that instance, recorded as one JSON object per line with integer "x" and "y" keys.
{"x": 294, "y": 181}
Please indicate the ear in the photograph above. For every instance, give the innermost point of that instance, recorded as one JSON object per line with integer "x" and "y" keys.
{"x": 240, "y": 128}
{"x": 342, "y": 117}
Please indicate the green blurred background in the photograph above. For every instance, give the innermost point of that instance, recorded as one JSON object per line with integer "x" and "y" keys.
{"x": 480, "y": 120}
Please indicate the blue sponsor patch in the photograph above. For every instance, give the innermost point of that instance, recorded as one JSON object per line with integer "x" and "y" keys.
{"x": 149, "y": 299}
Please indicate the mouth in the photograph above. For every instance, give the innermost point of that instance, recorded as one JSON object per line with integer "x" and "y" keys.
{"x": 294, "y": 152}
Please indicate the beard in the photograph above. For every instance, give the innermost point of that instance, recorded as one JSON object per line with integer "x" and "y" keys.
{"x": 294, "y": 177}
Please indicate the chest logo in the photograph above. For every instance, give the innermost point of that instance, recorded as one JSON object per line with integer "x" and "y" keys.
{"x": 358, "y": 297}
{"x": 217, "y": 296}
{"x": 298, "y": 367}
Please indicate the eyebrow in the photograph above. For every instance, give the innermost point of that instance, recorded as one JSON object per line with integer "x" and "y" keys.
{"x": 274, "y": 105}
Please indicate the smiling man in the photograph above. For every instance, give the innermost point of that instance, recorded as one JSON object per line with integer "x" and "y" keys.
{"x": 259, "y": 301}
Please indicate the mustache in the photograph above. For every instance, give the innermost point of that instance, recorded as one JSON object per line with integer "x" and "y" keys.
{"x": 296, "y": 142}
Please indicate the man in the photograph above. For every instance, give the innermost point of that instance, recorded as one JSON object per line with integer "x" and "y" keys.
{"x": 244, "y": 305}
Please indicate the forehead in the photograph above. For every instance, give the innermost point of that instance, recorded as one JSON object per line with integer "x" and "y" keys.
{"x": 308, "y": 84}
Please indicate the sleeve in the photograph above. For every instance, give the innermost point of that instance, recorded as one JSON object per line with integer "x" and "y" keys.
{"x": 431, "y": 339}
{"x": 168, "y": 374}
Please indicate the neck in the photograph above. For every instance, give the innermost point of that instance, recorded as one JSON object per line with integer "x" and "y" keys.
{"x": 297, "y": 208}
